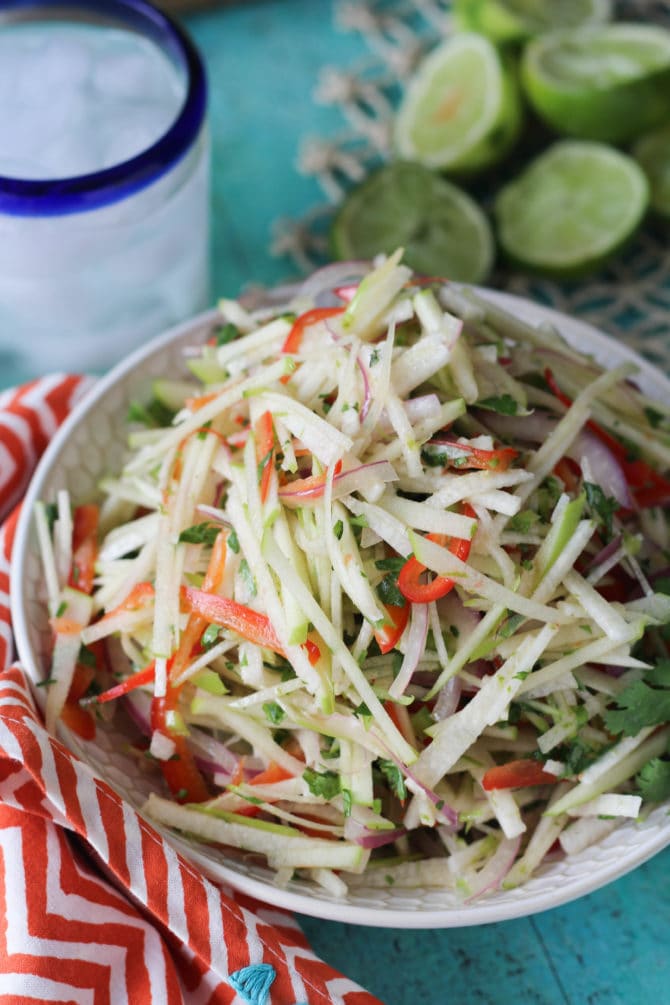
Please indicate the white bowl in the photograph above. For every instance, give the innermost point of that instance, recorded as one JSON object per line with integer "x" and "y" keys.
{"x": 92, "y": 442}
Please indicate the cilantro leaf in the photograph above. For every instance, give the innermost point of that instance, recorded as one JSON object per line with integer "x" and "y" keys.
{"x": 274, "y": 712}
{"x": 247, "y": 577}
{"x": 523, "y": 522}
{"x": 603, "y": 507}
{"x": 394, "y": 777}
{"x": 505, "y": 404}
{"x": 233, "y": 542}
{"x": 639, "y": 705}
{"x": 154, "y": 414}
{"x": 389, "y": 592}
{"x": 654, "y": 780}
{"x": 392, "y": 564}
{"x": 200, "y": 533}
{"x": 226, "y": 333}
{"x": 322, "y": 783}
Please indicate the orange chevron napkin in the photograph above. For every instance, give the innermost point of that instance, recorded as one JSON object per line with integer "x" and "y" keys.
{"x": 97, "y": 907}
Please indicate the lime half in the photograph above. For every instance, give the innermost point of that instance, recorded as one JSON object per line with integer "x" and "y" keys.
{"x": 610, "y": 83}
{"x": 517, "y": 20}
{"x": 571, "y": 209}
{"x": 653, "y": 152}
{"x": 462, "y": 109}
{"x": 443, "y": 231}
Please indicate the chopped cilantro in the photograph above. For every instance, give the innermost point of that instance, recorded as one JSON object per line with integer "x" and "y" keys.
{"x": 653, "y": 781}
{"x": 338, "y": 529}
{"x": 62, "y": 608}
{"x": 393, "y": 564}
{"x": 322, "y": 783}
{"x": 154, "y": 414}
{"x": 394, "y": 777}
{"x": 226, "y": 333}
{"x": 247, "y": 577}
{"x": 51, "y": 514}
{"x": 87, "y": 658}
{"x": 654, "y": 418}
{"x": 505, "y": 404}
{"x": 364, "y": 713}
{"x": 523, "y": 522}
{"x": 388, "y": 591}
{"x": 347, "y": 802}
{"x": 274, "y": 712}
{"x": 358, "y": 521}
{"x": 643, "y": 703}
{"x": 602, "y": 507}
{"x": 233, "y": 542}
{"x": 200, "y": 533}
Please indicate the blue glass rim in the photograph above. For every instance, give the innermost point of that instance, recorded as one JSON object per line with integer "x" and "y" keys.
{"x": 80, "y": 193}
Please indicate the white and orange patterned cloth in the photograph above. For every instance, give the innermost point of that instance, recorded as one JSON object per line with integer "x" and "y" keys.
{"x": 96, "y": 906}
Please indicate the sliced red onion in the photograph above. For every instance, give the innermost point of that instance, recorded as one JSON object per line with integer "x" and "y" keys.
{"x": 603, "y": 468}
{"x": 330, "y": 277}
{"x": 491, "y": 876}
{"x": 607, "y": 552}
{"x": 356, "y": 479}
{"x": 447, "y": 699}
{"x": 214, "y": 513}
{"x": 377, "y": 839}
{"x": 367, "y": 393}
{"x": 414, "y": 649}
{"x": 447, "y": 815}
{"x": 347, "y": 292}
{"x": 533, "y": 428}
{"x": 425, "y": 406}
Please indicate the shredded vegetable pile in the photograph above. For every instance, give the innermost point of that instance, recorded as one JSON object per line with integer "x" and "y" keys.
{"x": 379, "y": 595}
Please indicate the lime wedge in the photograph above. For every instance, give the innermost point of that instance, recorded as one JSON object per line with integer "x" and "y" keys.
{"x": 517, "y": 20}
{"x": 443, "y": 231}
{"x": 462, "y": 109}
{"x": 610, "y": 83}
{"x": 571, "y": 209}
{"x": 652, "y": 151}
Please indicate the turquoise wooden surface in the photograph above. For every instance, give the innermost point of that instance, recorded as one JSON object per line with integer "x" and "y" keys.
{"x": 611, "y": 948}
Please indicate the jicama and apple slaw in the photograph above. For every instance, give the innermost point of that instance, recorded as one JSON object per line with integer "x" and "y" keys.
{"x": 380, "y": 591}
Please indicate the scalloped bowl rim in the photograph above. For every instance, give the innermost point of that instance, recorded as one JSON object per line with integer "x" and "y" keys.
{"x": 558, "y": 883}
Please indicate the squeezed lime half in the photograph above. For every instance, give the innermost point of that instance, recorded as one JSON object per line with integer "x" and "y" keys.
{"x": 518, "y": 20}
{"x": 652, "y": 151}
{"x": 571, "y": 209}
{"x": 608, "y": 83}
{"x": 443, "y": 231}
{"x": 462, "y": 109}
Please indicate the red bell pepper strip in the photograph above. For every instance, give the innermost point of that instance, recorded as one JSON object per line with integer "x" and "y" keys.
{"x": 467, "y": 456}
{"x": 519, "y": 774}
{"x": 251, "y": 625}
{"x": 135, "y": 599}
{"x": 389, "y": 633}
{"x": 313, "y": 651}
{"x": 84, "y": 547}
{"x": 138, "y": 679}
{"x": 409, "y": 577}
{"x": 264, "y": 437}
{"x": 273, "y": 773}
{"x": 311, "y": 317}
{"x": 76, "y": 718}
{"x": 311, "y": 487}
{"x": 180, "y": 772}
